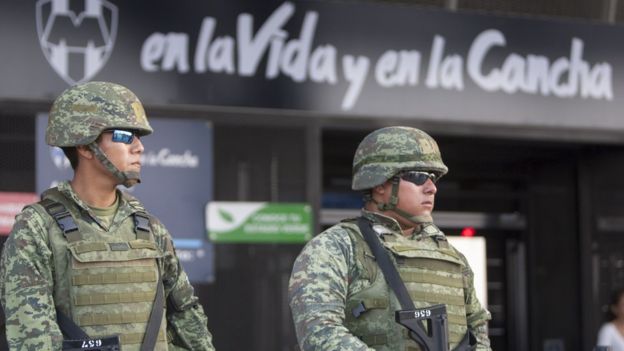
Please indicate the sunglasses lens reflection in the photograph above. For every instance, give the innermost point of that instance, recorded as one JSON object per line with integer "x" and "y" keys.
{"x": 123, "y": 136}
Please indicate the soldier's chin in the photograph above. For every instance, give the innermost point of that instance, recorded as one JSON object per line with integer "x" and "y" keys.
{"x": 132, "y": 179}
{"x": 130, "y": 183}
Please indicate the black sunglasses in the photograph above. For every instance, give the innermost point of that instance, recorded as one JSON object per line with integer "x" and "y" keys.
{"x": 418, "y": 177}
{"x": 122, "y": 136}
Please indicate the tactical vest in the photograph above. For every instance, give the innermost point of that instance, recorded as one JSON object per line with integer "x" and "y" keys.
{"x": 105, "y": 281}
{"x": 432, "y": 273}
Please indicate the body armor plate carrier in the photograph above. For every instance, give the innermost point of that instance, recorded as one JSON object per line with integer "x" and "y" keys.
{"x": 107, "y": 282}
{"x": 433, "y": 275}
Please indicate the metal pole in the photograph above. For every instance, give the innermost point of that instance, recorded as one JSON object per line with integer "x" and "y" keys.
{"x": 314, "y": 172}
{"x": 610, "y": 10}
{"x": 453, "y": 4}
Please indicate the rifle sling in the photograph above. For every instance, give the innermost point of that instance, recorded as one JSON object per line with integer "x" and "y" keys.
{"x": 155, "y": 319}
{"x": 391, "y": 274}
{"x": 69, "y": 329}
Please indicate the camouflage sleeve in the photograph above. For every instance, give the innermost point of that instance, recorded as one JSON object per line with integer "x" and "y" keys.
{"x": 476, "y": 315}
{"x": 318, "y": 291}
{"x": 26, "y": 282}
{"x": 187, "y": 322}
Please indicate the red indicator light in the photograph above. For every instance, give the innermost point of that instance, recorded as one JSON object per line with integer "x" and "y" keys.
{"x": 468, "y": 231}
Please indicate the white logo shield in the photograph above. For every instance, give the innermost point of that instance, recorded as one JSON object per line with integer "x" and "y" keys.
{"x": 76, "y": 44}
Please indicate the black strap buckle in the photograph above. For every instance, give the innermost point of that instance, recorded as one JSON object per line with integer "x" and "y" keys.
{"x": 141, "y": 222}
{"x": 359, "y": 309}
{"x": 61, "y": 215}
{"x": 66, "y": 222}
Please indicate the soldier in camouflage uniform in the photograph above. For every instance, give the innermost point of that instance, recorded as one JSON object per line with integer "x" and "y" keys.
{"x": 338, "y": 295}
{"x": 92, "y": 252}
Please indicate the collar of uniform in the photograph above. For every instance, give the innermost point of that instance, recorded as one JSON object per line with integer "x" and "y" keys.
{"x": 378, "y": 218}
{"x": 429, "y": 230}
{"x": 66, "y": 189}
{"x": 128, "y": 205}
{"x": 124, "y": 210}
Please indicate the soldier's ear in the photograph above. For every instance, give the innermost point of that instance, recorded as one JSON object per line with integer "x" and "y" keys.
{"x": 85, "y": 152}
{"x": 380, "y": 189}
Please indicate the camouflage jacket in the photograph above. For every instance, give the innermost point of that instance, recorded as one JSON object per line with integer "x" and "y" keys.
{"x": 27, "y": 283}
{"x": 326, "y": 274}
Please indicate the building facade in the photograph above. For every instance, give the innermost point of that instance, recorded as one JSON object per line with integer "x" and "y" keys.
{"x": 525, "y": 103}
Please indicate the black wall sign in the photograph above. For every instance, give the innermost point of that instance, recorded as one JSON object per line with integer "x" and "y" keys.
{"x": 350, "y": 59}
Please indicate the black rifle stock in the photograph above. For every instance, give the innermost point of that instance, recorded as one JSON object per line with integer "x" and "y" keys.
{"x": 436, "y": 336}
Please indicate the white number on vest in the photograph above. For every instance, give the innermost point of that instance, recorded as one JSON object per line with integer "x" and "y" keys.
{"x": 91, "y": 343}
{"x": 422, "y": 313}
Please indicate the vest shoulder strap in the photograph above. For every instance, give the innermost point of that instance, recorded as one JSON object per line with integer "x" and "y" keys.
{"x": 383, "y": 260}
{"x": 363, "y": 254}
{"x": 142, "y": 219}
{"x": 142, "y": 226}
{"x": 63, "y": 219}
{"x": 67, "y": 224}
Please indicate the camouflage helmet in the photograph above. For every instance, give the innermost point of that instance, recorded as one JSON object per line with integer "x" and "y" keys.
{"x": 387, "y": 151}
{"x": 81, "y": 113}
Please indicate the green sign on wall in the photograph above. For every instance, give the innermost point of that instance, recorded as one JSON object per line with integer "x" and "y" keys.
{"x": 258, "y": 222}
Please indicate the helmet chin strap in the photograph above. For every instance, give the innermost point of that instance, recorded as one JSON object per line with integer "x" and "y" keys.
{"x": 128, "y": 179}
{"x": 392, "y": 206}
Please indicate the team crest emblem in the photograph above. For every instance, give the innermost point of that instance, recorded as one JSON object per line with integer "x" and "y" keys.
{"x": 76, "y": 41}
